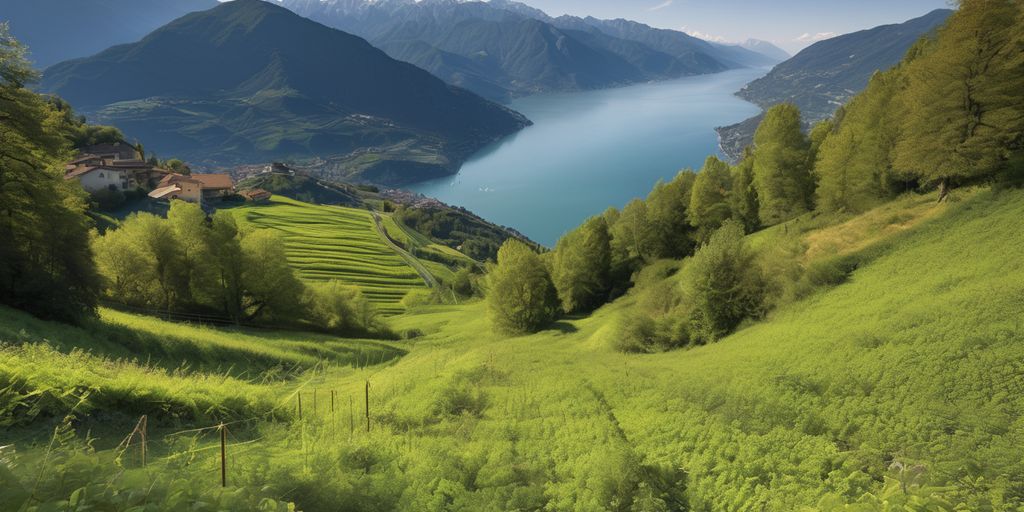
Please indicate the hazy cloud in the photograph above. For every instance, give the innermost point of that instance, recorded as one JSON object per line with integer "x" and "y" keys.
{"x": 813, "y": 38}
{"x": 661, "y": 6}
{"x": 705, "y": 36}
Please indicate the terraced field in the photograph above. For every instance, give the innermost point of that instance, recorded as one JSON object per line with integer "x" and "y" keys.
{"x": 336, "y": 243}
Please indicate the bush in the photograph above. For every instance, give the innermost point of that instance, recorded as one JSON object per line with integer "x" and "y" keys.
{"x": 339, "y": 308}
{"x": 108, "y": 198}
{"x": 638, "y": 333}
{"x": 460, "y": 397}
{"x": 418, "y": 298}
{"x": 723, "y": 284}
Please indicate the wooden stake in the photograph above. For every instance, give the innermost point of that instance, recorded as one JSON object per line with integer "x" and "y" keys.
{"x": 223, "y": 455}
{"x": 299, "y": 394}
{"x": 351, "y": 417}
{"x": 332, "y": 403}
{"x": 143, "y": 432}
{"x": 314, "y": 402}
{"x": 367, "y": 406}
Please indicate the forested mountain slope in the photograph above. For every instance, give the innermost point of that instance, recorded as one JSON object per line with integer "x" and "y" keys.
{"x": 828, "y": 73}
{"x": 275, "y": 85}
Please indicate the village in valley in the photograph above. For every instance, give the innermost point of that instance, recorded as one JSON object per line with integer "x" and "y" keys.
{"x": 113, "y": 173}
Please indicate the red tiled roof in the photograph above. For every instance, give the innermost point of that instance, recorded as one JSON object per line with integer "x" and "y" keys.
{"x": 86, "y": 169}
{"x": 173, "y": 178}
{"x": 214, "y": 181}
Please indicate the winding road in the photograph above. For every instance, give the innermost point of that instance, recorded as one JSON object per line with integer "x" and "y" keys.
{"x": 413, "y": 262}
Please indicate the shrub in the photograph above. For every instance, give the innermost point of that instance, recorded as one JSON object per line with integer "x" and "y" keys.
{"x": 723, "y": 284}
{"x": 460, "y": 397}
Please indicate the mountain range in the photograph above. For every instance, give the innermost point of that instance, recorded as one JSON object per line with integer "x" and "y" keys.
{"x": 249, "y": 81}
{"x": 828, "y": 73}
{"x": 502, "y": 49}
{"x": 58, "y": 30}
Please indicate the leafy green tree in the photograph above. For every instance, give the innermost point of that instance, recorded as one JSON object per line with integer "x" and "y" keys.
{"x": 520, "y": 296}
{"x": 722, "y": 284}
{"x": 854, "y": 163}
{"x": 632, "y": 233}
{"x": 964, "y": 116}
{"x": 272, "y": 291}
{"x": 667, "y": 207}
{"x": 46, "y": 264}
{"x": 710, "y": 201}
{"x": 188, "y": 224}
{"x": 581, "y": 266}
{"x": 743, "y": 198}
{"x": 781, "y": 175}
{"x": 177, "y": 166}
{"x": 226, "y": 260}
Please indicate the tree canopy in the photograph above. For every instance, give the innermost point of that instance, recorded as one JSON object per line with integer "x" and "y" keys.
{"x": 520, "y": 295}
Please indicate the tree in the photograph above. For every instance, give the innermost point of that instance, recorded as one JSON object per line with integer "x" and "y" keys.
{"x": 854, "y": 163}
{"x": 188, "y": 224}
{"x": 709, "y": 202}
{"x": 632, "y": 233}
{"x": 272, "y": 291}
{"x": 722, "y": 284}
{"x": 581, "y": 266}
{"x": 743, "y": 198}
{"x": 667, "y": 207}
{"x": 46, "y": 263}
{"x": 964, "y": 116}
{"x": 227, "y": 262}
{"x": 520, "y": 296}
{"x": 781, "y": 176}
{"x": 177, "y": 166}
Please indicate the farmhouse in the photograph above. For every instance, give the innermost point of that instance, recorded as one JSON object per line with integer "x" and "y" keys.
{"x": 215, "y": 186}
{"x": 178, "y": 186}
{"x": 194, "y": 188}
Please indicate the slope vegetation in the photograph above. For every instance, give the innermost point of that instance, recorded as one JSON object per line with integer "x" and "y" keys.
{"x": 900, "y": 389}
{"x": 336, "y": 243}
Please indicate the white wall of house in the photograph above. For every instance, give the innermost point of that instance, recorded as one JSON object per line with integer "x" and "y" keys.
{"x": 100, "y": 179}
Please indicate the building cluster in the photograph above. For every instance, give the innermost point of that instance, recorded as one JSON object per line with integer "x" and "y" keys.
{"x": 119, "y": 167}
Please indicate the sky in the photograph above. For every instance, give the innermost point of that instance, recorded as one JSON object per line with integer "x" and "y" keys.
{"x": 790, "y": 24}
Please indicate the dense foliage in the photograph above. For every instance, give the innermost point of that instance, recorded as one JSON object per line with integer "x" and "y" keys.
{"x": 187, "y": 263}
{"x": 45, "y": 260}
{"x": 520, "y": 295}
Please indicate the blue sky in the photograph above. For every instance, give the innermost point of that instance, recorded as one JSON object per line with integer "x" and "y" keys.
{"x": 791, "y": 24}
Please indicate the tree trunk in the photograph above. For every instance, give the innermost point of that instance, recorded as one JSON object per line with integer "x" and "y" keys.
{"x": 943, "y": 189}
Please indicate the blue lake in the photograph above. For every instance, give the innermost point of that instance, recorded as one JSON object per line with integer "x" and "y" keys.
{"x": 588, "y": 151}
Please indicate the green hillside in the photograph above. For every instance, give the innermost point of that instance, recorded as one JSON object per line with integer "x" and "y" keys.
{"x": 336, "y": 243}
{"x": 908, "y": 374}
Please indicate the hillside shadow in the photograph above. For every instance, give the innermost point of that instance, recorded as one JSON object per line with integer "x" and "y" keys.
{"x": 563, "y": 327}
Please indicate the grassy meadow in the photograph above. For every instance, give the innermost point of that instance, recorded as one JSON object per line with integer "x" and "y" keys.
{"x": 898, "y": 389}
{"x": 337, "y": 243}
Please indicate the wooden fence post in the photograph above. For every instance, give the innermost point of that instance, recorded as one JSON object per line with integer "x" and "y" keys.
{"x": 143, "y": 432}
{"x": 351, "y": 416}
{"x": 299, "y": 394}
{"x": 223, "y": 455}
{"x": 367, "y": 406}
{"x": 314, "y": 402}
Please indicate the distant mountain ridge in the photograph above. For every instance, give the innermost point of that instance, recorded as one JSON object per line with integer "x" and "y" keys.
{"x": 828, "y": 73}
{"x": 58, "y": 30}
{"x": 503, "y": 49}
{"x": 249, "y": 81}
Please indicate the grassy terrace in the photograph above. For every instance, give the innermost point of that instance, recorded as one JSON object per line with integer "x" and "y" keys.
{"x": 336, "y": 243}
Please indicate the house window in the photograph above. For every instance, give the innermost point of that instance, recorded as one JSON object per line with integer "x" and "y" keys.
{"x": 101, "y": 175}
